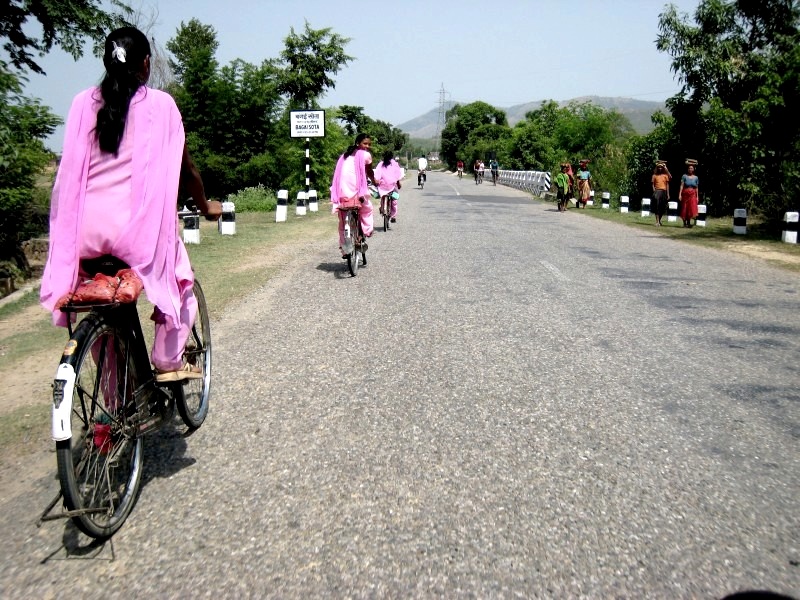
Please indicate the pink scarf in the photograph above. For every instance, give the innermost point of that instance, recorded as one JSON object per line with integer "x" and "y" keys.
{"x": 361, "y": 176}
{"x": 150, "y": 245}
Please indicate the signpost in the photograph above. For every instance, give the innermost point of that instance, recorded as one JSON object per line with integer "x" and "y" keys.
{"x": 307, "y": 124}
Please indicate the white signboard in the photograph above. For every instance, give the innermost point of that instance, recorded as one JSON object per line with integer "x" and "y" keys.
{"x": 307, "y": 123}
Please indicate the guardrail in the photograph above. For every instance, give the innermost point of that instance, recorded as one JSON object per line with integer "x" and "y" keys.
{"x": 535, "y": 182}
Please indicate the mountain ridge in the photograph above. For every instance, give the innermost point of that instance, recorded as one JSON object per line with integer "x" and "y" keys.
{"x": 638, "y": 113}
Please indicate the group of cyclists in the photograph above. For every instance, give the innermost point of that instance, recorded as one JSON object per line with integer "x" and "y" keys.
{"x": 479, "y": 168}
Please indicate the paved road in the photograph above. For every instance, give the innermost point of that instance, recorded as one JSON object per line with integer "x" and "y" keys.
{"x": 507, "y": 401}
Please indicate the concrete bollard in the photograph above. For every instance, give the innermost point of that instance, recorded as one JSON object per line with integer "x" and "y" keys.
{"x": 606, "y": 201}
{"x": 281, "y": 208}
{"x": 624, "y": 202}
{"x": 227, "y": 222}
{"x": 740, "y": 221}
{"x": 313, "y": 204}
{"x": 300, "y": 207}
{"x": 590, "y": 201}
{"x": 790, "y": 223}
{"x": 191, "y": 229}
{"x": 700, "y": 221}
{"x": 672, "y": 211}
{"x": 645, "y": 207}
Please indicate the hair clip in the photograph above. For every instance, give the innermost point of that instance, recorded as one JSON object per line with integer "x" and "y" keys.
{"x": 118, "y": 52}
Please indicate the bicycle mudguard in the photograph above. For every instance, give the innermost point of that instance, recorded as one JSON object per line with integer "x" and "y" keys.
{"x": 63, "y": 385}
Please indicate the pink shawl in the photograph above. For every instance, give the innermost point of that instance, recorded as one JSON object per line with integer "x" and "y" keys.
{"x": 150, "y": 245}
{"x": 361, "y": 176}
{"x": 388, "y": 176}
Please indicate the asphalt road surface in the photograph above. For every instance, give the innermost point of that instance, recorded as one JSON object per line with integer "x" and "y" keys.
{"x": 506, "y": 402}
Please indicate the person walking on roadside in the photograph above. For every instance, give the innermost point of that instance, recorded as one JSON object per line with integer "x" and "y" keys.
{"x": 388, "y": 174}
{"x": 350, "y": 184}
{"x": 562, "y": 188}
{"x": 689, "y": 194}
{"x": 584, "y": 183}
{"x": 661, "y": 178}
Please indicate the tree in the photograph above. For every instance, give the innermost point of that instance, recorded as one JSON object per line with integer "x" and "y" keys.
{"x": 24, "y": 122}
{"x": 309, "y": 61}
{"x": 739, "y": 65}
{"x": 64, "y": 23}
{"x": 353, "y": 118}
{"x": 462, "y": 122}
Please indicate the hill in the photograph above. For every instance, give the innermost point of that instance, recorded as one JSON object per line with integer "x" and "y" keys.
{"x": 638, "y": 113}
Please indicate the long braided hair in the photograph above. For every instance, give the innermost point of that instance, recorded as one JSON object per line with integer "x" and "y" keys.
{"x": 126, "y": 49}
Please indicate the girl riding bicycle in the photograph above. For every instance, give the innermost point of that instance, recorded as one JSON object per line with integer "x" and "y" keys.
{"x": 350, "y": 181}
{"x": 388, "y": 173}
{"x": 115, "y": 193}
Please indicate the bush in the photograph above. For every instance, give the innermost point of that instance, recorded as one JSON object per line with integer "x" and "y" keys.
{"x": 254, "y": 199}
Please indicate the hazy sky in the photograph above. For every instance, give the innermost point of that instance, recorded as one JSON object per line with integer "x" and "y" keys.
{"x": 504, "y": 52}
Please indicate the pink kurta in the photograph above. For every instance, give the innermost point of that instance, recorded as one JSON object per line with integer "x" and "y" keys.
{"x": 388, "y": 176}
{"x": 350, "y": 179}
{"x": 123, "y": 205}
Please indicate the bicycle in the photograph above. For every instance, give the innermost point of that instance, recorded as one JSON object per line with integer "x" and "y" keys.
{"x": 478, "y": 177}
{"x": 354, "y": 239}
{"x": 421, "y": 178}
{"x": 494, "y": 177}
{"x": 106, "y": 399}
{"x": 386, "y": 208}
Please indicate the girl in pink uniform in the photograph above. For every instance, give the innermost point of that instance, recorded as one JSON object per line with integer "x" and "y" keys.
{"x": 350, "y": 180}
{"x": 116, "y": 194}
{"x": 388, "y": 173}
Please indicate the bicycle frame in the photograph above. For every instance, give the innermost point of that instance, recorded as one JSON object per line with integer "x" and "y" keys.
{"x": 125, "y": 319}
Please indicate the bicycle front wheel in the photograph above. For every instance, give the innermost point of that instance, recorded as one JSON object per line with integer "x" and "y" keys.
{"x": 193, "y": 401}
{"x": 352, "y": 258}
{"x": 100, "y": 466}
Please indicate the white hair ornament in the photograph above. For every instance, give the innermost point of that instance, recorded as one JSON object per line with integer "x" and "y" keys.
{"x": 118, "y": 52}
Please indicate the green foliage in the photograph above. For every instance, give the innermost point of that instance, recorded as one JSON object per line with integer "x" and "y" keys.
{"x": 63, "y": 23}
{"x": 24, "y": 123}
{"x": 254, "y": 199}
{"x": 739, "y": 64}
{"x": 309, "y": 61}
{"x": 29, "y": 30}
{"x": 473, "y": 131}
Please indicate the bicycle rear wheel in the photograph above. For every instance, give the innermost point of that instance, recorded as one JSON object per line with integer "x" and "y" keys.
{"x": 352, "y": 258}
{"x": 387, "y": 203}
{"x": 100, "y": 466}
{"x": 192, "y": 399}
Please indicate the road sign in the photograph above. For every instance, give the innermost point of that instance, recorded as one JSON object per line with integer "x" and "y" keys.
{"x": 307, "y": 123}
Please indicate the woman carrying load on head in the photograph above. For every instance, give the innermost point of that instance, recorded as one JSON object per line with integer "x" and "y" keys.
{"x": 689, "y": 194}
{"x": 660, "y": 180}
{"x": 584, "y": 183}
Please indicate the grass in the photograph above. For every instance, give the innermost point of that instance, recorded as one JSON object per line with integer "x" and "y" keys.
{"x": 718, "y": 233}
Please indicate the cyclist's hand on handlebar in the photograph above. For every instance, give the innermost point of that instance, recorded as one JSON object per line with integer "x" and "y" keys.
{"x": 213, "y": 210}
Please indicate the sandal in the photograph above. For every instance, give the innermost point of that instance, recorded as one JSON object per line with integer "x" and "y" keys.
{"x": 187, "y": 371}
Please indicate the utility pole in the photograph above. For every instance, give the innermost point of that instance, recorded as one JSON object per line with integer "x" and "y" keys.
{"x": 440, "y": 120}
